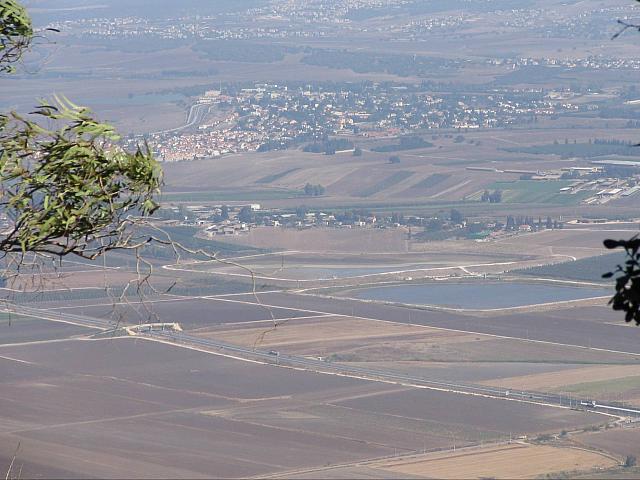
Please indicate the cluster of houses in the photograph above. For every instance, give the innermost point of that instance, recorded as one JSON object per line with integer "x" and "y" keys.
{"x": 223, "y": 220}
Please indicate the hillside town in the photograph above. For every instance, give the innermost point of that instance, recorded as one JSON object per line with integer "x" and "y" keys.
{"x": 301, "y": 19}
{"x": 264, "y": 116}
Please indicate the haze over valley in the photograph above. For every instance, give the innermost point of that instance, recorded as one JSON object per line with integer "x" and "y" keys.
{"x": 378, "y": 251}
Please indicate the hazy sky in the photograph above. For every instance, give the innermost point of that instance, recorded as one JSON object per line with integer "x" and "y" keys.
{"x": 67, "y": 9}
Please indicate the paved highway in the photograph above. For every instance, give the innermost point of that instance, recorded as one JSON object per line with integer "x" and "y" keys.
{"x": 278, "y": 358}
{"x": 57, "y": 316}
{"x": 352, "y": 370}
{"x": 195, "y": 115}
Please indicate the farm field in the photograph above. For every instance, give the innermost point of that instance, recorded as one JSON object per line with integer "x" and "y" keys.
{"x": 544, "y": 325}
{"x": 220, "y": 413}
{"x": 622, "y": 389}
{"x": 620, "y": 441}
{"x": 20, "y": 329}
{"x": 576, "y": 242}
{"x": 499, "y": 417}
{"x": 609, "y": 383}
{"x": 230, "y": 195}
{"x": 345, "y": 338}
{"x": 190, "y": 312}
{"x": 232, "y": 407}
{"x": 386, "y": 183}
{"x": 504, "y": 351}
{"x": 567, "y": 379}
{"x": 509, "y": 461}
{"x": 424, "y": 180}
{"x": 297, "y": 334}
{"x": 359, "y": 262}
{"x": 239, "y": 308}
{"x": 588, "y": 269}
{"x": 329, "y": 240}
{"x": 76, "y": 281}
{"x": 373, "y": 316}
{"x": 442, "y": 355}
{"x": 533, "y": 191}
{"x": 420, "y": 350}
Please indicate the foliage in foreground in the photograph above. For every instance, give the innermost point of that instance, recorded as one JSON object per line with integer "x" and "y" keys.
{"x": 68, "y": 189}
{"x": 16, "y": 33}
{"x": 65, "y": 187}
{"x": 627, "y": 277}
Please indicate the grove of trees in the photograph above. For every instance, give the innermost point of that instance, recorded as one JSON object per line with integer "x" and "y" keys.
{"x": 492, "y": 197}
{"x": 313, "y": 190}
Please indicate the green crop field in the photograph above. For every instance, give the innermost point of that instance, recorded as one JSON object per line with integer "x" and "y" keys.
{"x": 534, "y": 191}
{"x": 582, "y": 150}
{"x": 230, "y": 195}
{"x": 603, "y": 388}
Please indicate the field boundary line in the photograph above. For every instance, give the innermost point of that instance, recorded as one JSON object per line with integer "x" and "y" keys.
{"x": 17, "y": 360}
{"x": 171, "y": 298}
{"x": 266, "y": 320}
{"x": 454, "y": 389}
{"x": 494, "y": 335}
{"x": 59, "y": 320}
{"x": 374, "y": 461}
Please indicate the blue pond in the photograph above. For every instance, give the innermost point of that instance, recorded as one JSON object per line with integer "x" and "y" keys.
{"x": 478, "y": 295}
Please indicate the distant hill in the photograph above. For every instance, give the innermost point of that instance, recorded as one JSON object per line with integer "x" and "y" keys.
{"x": 49, "y": 10}
{"x": 422, "y": 7}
